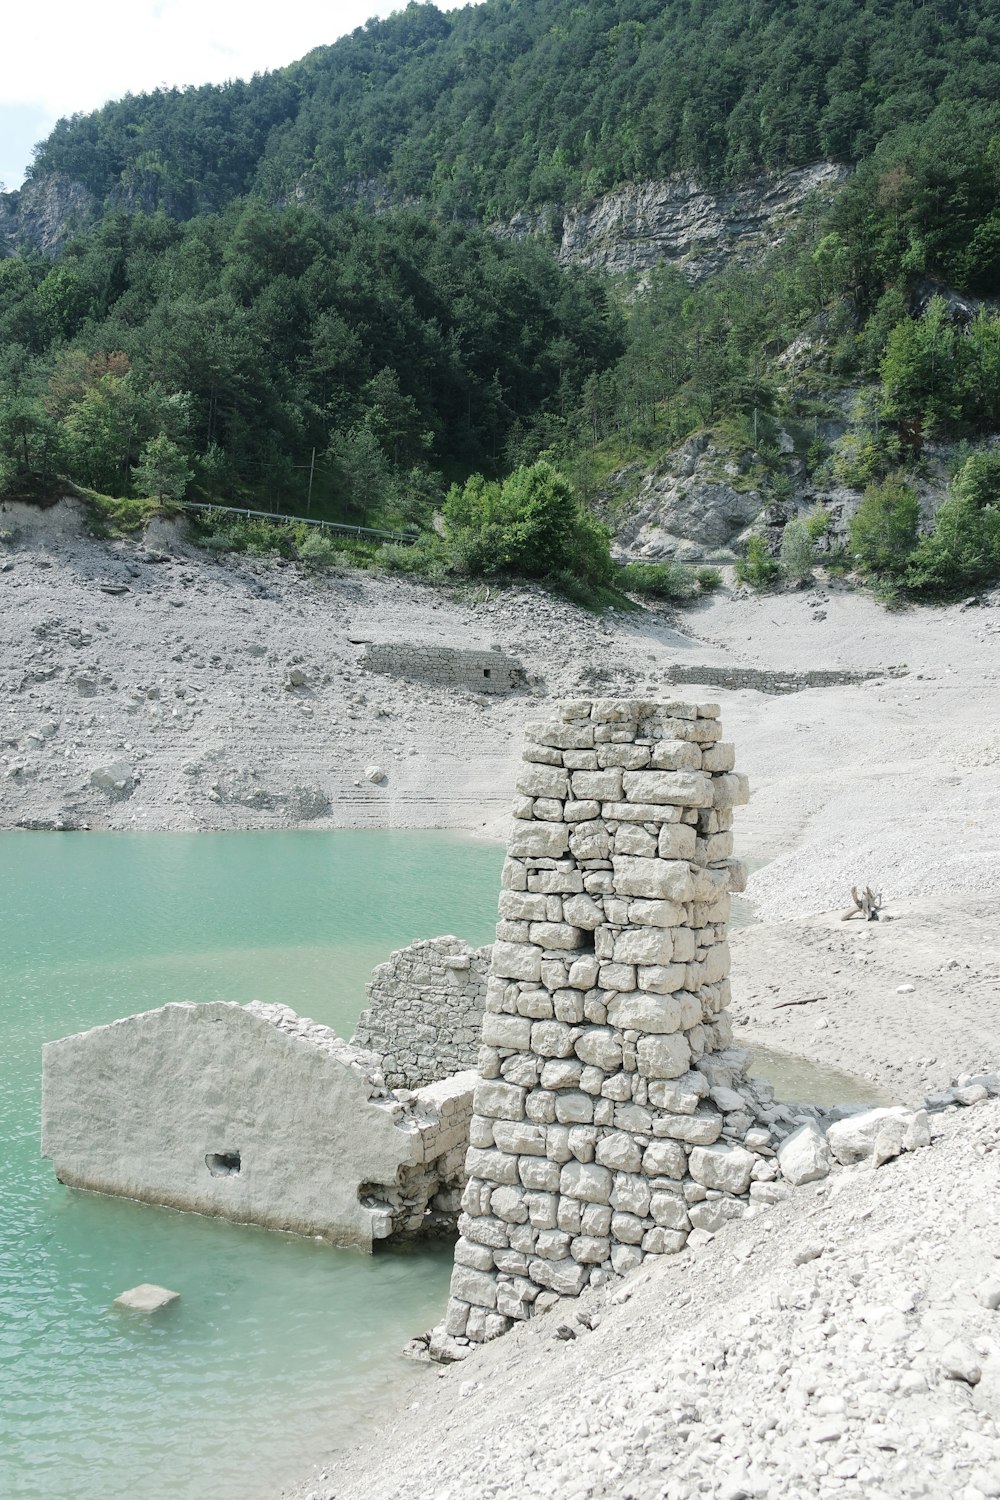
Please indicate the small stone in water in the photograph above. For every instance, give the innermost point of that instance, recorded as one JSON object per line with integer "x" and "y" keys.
{"x": 146, "y": 1298}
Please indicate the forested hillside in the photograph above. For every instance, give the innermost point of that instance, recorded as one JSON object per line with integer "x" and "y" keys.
{"x": 239, "y": 325}
{"x": 503, "y": 105}
{"x": 394, "y": 346}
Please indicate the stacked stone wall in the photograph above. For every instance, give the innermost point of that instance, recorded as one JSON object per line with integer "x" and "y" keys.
{"x": 425, "y": 1011}
{"x": 762, "y": 680}
{"x": 604, "y": 1124}
{"x": 445, "y": 666}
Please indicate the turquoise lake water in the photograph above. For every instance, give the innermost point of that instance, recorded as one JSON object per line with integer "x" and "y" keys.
{"x": 278, "y": 1345}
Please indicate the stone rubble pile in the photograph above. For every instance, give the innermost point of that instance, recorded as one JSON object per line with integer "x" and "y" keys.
{"x": 606, "y": 1123}
{"x": 425, "y": 1011}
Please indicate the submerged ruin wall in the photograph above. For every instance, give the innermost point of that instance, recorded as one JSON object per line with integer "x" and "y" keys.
{"x": 256, "y": 1114}
{"x": 425, "y": 1011}
{"x": 602, "y": 1132}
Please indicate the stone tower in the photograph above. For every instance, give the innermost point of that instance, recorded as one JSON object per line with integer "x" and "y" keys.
{"x": 594, "y": 1142}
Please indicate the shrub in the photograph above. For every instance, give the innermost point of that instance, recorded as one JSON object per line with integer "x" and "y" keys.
{"x": 798, "y": 551}
{"x": 317, "y": 551}
{"x": 666, "y": 580}
{"x": 758, "y": 569}
{"x": 963, "y": 550}
{"x": 532, "y": 524}
{"x": 883, "y": 529}
{"x": 114, "y": 517}
{"x": 819, "y": 522}
{"x": 709, "y": 579}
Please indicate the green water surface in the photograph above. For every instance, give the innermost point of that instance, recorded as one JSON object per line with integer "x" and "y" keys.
{"x": 278, "y": 1346}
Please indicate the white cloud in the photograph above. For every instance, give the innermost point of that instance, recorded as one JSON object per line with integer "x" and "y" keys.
{"x": 70, "y": 55}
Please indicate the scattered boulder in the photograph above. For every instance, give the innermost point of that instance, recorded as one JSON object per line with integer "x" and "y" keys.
{"x": 375, "y": 774}
{"x": 117, "y": 780}
{"x": 987, "y": 1294}
{"x": 883, "y": 1133}
{"x": 959, "y": 1362}
{"x": 805, "y": 1155}
{"x": 146, "y": 1298}
{"x": 303, "y": 803}
{"x": 295, "y": 678}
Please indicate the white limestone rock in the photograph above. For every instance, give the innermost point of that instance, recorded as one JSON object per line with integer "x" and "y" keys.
{"x": 853, "y": 1139}
{"x": 726, "y": 1168}
{"x": 147, "y": 1297}
{"x": 805, "y": 1155}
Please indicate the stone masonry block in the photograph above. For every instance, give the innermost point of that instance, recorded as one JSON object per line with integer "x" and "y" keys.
{"x": 539, "y": 840}
{"x": 507, "y": 1031}
{"x": 663, "y": 1056}
{"x": 555, "y": 935}
{"x": 731, "y": 790}
{"x": 602, "y": 786}
{"x": 517, "y": 961}
{"x": 578, "y": 736}
{"x": 499, "y": 1101}
{"x": 679, "y": 788}
{"x": 583, "y": 911}
{"x": 718, "y": 757}
{"x": 652, "y": 878}
{"x": 677, "y": 841}
{"x": 519, "y": 1139}
{"x": 676, "y": 755}
{"x": 477, "y": 1287}
{"x": 726, "y": 1168}
{"x": 543, "y": 781}
{"x": 657, "y": 1014}
{"x": 586, "y": 1181}
{"x": 644, "y": 945}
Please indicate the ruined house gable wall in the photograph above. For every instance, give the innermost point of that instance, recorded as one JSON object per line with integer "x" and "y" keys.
{"x": 425, "y": 1011}
{"x": 252, "y": 1114}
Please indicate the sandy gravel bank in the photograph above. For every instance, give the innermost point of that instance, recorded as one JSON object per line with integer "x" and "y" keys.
{"x": 839, "y": 1343}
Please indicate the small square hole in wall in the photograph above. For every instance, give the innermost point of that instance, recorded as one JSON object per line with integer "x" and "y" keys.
{"x": 223, "y": 1163}
{"x": 487, "y": 672}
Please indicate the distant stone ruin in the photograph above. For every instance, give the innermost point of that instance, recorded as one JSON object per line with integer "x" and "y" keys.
{"x": 256, "y": 1114}
{"x": 425, "y": 1011}
{"x": 606, "y": 1126}
{"x": 765, "y": 680}
{"x": 488, "y": 672}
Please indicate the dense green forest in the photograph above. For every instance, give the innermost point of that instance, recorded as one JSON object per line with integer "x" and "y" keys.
{"x": 499, "y": 106}
{"x": 395, "y": 347}
{"x": 225, "y": 339}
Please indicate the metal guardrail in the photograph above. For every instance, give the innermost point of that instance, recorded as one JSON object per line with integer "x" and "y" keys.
{"x": 406, "y": 538}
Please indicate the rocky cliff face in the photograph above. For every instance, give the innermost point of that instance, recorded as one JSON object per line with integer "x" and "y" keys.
{"x": 44, "y": 214}
{"x": 692, "y": 507}
{"x": 678, "y": 221}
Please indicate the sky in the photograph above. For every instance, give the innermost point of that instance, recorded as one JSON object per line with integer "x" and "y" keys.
{"x": 65, "y": 56}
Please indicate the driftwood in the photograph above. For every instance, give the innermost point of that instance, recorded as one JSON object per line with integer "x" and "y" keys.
{"x": 866, "y": 906}
{"x": 810, "y": 1000}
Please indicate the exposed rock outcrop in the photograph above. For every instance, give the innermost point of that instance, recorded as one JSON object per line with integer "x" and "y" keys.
{"x": 678, "y": 221}
{"x": 692, "y": 506}
{"x": 44, "y": 214}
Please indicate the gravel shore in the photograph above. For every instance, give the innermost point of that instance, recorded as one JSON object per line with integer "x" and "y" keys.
{"x": 843, "y": 1342}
